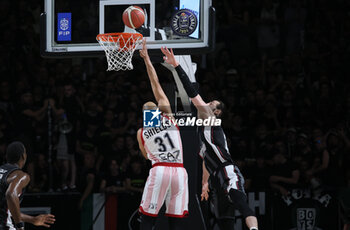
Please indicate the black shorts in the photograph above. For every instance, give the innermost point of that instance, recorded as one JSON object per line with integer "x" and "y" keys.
{"x": 228, "y": 177}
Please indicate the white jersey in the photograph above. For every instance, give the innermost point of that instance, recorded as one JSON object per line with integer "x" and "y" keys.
{"x": 163, "y": 144}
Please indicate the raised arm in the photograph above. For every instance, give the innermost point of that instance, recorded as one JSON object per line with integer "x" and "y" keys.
{"x": 38, "y": 114}
{"x": 161, "y": 98}
{"x": 202, "y": 107}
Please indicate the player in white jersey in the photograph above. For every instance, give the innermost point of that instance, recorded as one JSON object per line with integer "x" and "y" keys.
{"x": 167, "y": 180}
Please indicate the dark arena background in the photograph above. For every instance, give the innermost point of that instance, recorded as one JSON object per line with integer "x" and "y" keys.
{"x": 280, "y": 67}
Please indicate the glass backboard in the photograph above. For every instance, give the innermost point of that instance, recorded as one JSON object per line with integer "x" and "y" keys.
{"x": 69, "y": 28}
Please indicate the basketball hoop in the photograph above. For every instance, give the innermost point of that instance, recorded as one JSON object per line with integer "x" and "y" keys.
{"x": 119, "y": 49}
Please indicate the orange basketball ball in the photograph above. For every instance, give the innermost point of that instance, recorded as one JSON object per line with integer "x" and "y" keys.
{"x": 133, "y": 17}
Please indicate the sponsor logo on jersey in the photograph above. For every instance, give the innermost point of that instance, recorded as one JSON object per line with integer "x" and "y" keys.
{"x": 170, "y": 156}
{"x": 184, "y": 22}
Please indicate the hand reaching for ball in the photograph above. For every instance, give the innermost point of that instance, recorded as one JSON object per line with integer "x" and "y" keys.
{"x": 169, "y": 56}
{"x": 143, "y": 51}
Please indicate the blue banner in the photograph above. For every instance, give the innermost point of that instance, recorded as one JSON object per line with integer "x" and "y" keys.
{"x": 64, "y": 27}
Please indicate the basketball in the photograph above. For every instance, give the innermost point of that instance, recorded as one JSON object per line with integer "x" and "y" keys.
{"x": 133, "y": 17}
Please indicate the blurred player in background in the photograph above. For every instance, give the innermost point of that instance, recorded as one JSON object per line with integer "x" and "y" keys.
{"x": 167, "y": 180}
{"x": 12, "y": 183}
{"x": 217, "y": 159}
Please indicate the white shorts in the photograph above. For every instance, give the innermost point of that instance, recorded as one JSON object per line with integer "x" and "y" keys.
{"x": 169, "y": 185}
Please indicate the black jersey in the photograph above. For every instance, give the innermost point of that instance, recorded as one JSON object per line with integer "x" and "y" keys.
{"x": 214, "y": 148}
{"x": 218, "y": 160}
{"x": 5, "y": 170}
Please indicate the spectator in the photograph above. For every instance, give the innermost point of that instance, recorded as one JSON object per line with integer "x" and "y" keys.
{"x": 105, "y": 134}
{"x": 344, "y": 202}
{"x": 303, "y": 149}
{"x": 114, "y": 180}
{"x": 67, "y": 111}
{"x": 28, "y": 115}
{"x": 294, "y": 19}
{"x": 6, "y": 131}
{"x": 118, "y": 148}
{"x": 331, "y": 167}
{"x": 268, "y": 29}
{"x": 86, "y": 141}
{"x": 87, "y": 178}
{"x": 136, "y": 176}
{"x": 291, "y": 138}
{"x": 284, "y": 175}
{"x": 65, "y": 156}
{"x": 135, "y": 181}
{"x": 38, "y": 171}
{"x": 260, "y": 174}
{"x": 3, "y": 147}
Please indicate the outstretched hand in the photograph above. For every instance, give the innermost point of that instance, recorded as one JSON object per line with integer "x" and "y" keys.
{"x": 44, "y": 220}
{"x": 143, "y": 51}
{"x": 169, "y": 56}
{"x": 205, "y": 191}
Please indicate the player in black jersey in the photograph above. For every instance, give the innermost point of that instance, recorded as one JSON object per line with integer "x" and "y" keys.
{"x": 12, "y": 183}
{"x": 217, "y": 158}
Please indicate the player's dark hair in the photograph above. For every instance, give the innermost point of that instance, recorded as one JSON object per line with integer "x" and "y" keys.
{"x": 220, "y": 106}
{"x": 14, "y": 152}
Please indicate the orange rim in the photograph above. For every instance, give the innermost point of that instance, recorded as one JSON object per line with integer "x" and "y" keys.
{"x": 115, "y": 36}
{"x": 124, "y": 44}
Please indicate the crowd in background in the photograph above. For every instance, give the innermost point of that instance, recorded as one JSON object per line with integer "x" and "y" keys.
{"x": 280, "y": 67}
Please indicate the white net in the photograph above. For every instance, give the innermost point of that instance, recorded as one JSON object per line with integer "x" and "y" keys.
{"x": 119, "y": 49}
